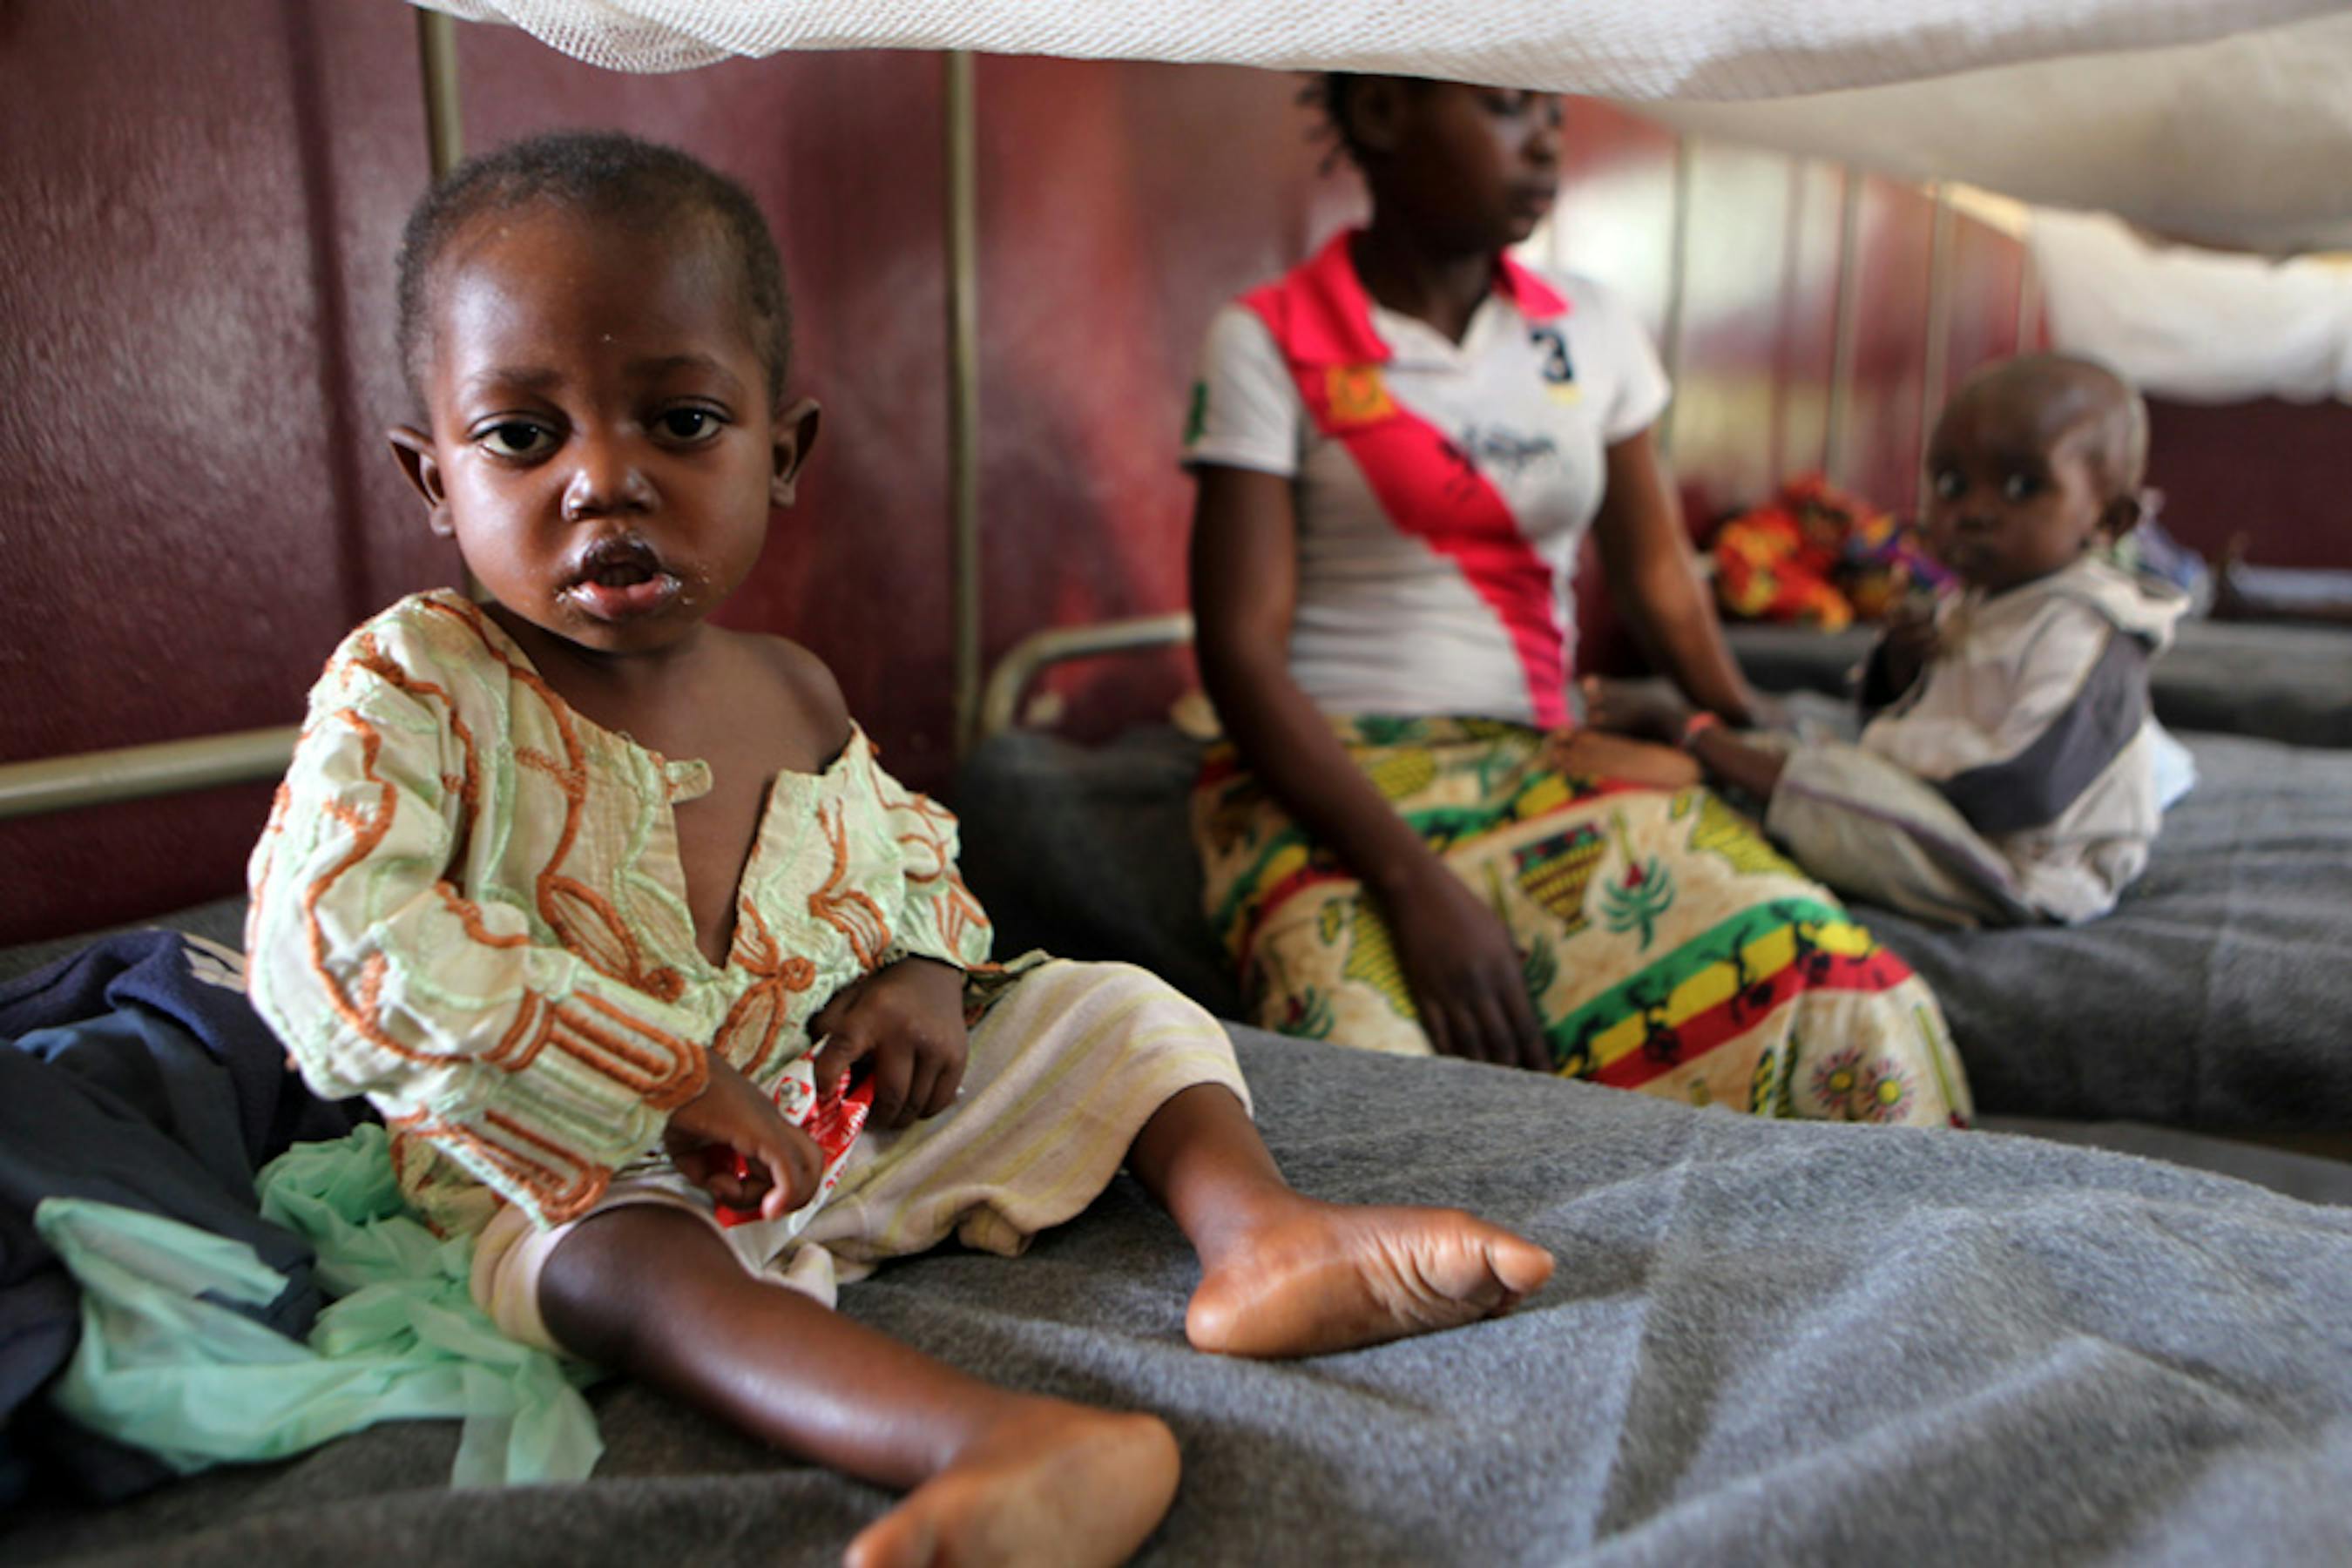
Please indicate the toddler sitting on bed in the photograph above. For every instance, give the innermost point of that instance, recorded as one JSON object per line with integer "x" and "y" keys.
{"x": 667, "y": 992}
{"x": 2009, "y": 772}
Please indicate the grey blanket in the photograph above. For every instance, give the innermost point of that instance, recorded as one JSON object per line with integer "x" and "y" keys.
{"x": 1766, "y": 1343}
{"x": 2218, "y": 994}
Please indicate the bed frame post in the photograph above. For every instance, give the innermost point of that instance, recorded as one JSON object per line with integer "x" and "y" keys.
{"x": 963, "y": 390}
{"x": 1670, "y": 335}
{"x": 436, "y": 57}
{"x": 2029, "y": 297}
{"x": 1935, "y": 355}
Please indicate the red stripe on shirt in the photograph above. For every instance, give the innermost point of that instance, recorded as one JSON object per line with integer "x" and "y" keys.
{"x": 1320, "y": 320}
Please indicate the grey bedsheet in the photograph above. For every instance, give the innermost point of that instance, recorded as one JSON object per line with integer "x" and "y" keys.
{"x": 2219, "y": 995}
{"x": 1766, "y": 1343}
{"x": 2291, "y": 683}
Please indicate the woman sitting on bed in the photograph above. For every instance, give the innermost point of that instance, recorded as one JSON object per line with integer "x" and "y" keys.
{"x": 1410, "y": 845}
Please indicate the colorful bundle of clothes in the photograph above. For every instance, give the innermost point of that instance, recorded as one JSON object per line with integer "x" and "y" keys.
{"x": 1816, "y": 556}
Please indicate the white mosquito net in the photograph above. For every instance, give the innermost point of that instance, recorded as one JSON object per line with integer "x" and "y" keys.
{"x": 2241, "y": 141}
{"x": 2221, "y": 120}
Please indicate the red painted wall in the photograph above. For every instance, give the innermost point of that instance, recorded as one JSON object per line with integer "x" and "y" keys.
{"x": 2279, "y": 473}
{"x": 191, "y": 291}
{"x": 1121, "y": 204}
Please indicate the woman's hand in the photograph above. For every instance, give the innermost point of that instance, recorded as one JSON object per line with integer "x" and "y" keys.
{"x": 730, "y": 1118}
{"x": 1466, "y": 974}
{"x": 906, "y": 1023}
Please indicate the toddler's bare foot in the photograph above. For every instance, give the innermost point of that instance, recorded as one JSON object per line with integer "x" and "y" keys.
{"x": 1324, "y": 1277}
{"x": 1057, "y": 1485}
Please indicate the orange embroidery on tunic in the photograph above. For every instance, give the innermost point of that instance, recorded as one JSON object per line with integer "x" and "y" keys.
{"x": 958, "y": 915}
{"x": 469, "y": 916}
{"x": 466, "y": 783}
{"x": 747, "y": 1035}
{"x": 855, "y": 915}
{"x": 933, "y": 830}
{"x": 930, "y": 829}
{"x": 583, "y": 920}
{"x": 411, "y": 1156}
{"x": 524, "y": 1028}
{"x": 368, "y": 830}
{"x": 669, "y": 1073}
{"x": 604, "y": 1037}
{"x": 588, "y": 926}
{"x": 624, "y": 1050}
{"x": 565, "y": 1185}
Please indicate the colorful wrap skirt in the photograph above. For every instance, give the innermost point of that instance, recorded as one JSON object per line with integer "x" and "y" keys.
{"x": 1667, "y": 947}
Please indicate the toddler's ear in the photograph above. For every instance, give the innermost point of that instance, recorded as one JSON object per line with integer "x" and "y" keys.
{"x": 413, "y": 448}
{"x": 792, "y": 435}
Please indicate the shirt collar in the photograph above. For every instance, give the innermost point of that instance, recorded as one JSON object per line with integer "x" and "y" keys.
{"x": 1333, "y": 321}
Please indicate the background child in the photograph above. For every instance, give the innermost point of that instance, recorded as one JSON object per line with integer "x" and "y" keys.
{"x": 616, "y": 917}
{"x": 2010, "y": 772}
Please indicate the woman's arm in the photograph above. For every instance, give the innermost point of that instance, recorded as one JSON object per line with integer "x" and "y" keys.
{"x": 1465, "y": 973}
{"x": 1654, "y": 576}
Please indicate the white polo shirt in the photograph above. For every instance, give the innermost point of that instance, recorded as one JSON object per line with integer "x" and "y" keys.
{"x": 1442, "y": 489}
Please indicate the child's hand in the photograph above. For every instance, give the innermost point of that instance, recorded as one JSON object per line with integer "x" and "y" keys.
{"x": 906, "y": 1023}
{"x": 1650, "y": 710}
{"x": 1909, "y": 641}
{"x": 730, "y": 1117}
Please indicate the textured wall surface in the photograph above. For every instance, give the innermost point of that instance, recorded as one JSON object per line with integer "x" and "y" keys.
{"x": 2276, "y": 472}
{"x": 1121, "y": 204}
{"x": 191, "y": 274}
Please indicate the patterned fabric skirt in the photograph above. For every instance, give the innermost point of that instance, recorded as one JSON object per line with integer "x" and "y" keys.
{"x": 1667, "y": 947}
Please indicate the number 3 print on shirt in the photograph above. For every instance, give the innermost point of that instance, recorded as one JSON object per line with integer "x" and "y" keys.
{"x": 1559, "y": 375}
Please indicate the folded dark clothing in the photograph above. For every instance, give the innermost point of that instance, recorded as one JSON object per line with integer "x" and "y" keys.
{"x": 200, "y": 988}
{"x": 138, "y": 1074}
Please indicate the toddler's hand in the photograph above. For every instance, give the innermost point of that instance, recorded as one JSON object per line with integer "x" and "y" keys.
{"x": 1909, "y": 641}
{"x": 731, "y": 1117}
{"x": 906, "y": 1023}
{"x": 1649, "y": 710}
